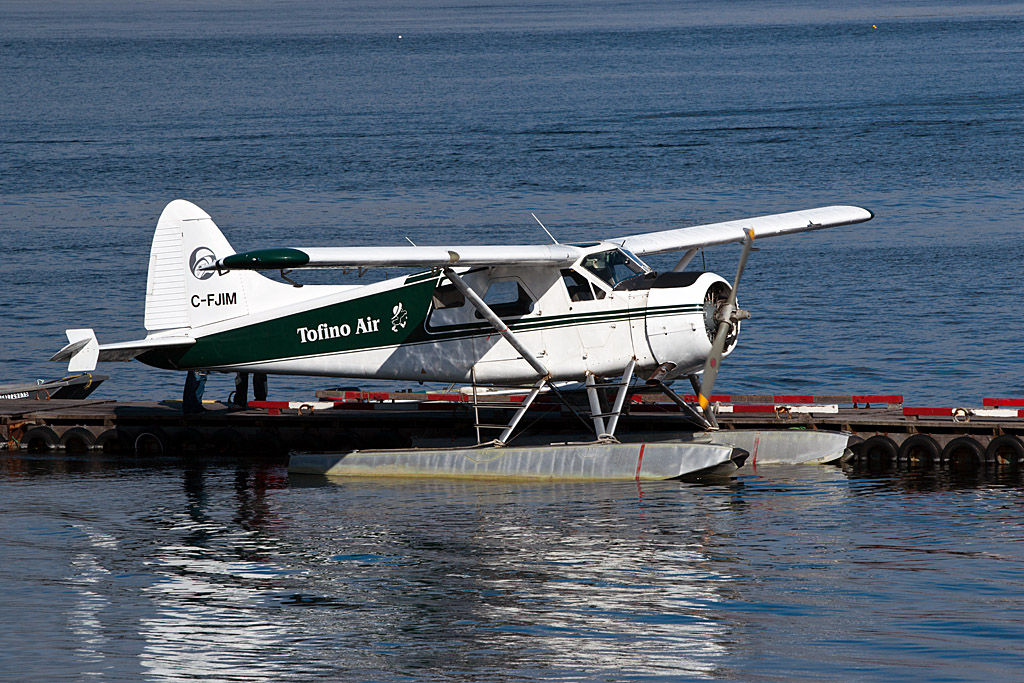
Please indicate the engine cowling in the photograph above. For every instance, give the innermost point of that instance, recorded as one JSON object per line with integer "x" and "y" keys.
{"x": 683, "y": 313}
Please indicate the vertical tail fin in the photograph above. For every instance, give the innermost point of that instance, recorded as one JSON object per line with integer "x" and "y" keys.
{"x": 179, "y": 294}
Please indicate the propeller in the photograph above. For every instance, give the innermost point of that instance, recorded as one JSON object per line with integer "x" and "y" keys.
{"x": 728, "y": 317}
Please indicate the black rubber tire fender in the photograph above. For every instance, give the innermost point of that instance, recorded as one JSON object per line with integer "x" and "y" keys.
{"x": 1005, "y": 449}
{"x": 39, "y": 439}
{"x": 920, "y": 447}
{"x": 151, "y": 443}
{"x": 188, "y": 441}
{"x": 852, "y": 451}
{"x": 227, "y": 442}
{"x": 963, "y": 450}
{"x": 115, "y": 442}
{"x": 77, "y": 440}
{"x": 879, "y": 448}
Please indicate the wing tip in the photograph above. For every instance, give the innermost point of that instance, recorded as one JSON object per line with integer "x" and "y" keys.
{"x": 854, "y": 207}
{"x": 863, "y": 219}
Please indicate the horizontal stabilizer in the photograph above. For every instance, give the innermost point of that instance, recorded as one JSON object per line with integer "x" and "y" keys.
{"x": 83, "y": 351}
{"x": 124, "y": 351}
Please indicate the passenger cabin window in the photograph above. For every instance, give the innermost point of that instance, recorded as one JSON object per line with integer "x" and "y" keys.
{"x": 612, "y": 267}
{"x": 447, "y": 296}
{"x": 579, "y": 288}
{"x": 507, "y": 298}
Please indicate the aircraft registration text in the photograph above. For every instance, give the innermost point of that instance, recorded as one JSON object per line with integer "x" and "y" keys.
{"x": 215, "y": 299}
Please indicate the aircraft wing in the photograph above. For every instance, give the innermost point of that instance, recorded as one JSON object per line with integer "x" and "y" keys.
{"x": 559, "y": 255}
{"x": 399, "y": 257}
{"x": 732, "y": 231}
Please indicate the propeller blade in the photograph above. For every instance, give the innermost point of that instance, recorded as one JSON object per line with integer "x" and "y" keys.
{"x": 748, "y": 246}
{"x": 714, "y": 358}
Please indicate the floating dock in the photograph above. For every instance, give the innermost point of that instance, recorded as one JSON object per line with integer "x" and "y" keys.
{"x": 882, "y": 427}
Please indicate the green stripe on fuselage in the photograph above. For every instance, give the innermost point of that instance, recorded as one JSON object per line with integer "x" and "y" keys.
{"x": 390, "y": 317}
{"x": 447, "y": 332}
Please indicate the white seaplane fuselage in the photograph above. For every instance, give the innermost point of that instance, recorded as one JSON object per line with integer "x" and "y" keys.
{"x": 577, "y": 320}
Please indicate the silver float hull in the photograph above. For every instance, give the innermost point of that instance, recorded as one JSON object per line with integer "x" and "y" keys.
{"x": 578, "y": 462}
{"x": 785, "y": 446}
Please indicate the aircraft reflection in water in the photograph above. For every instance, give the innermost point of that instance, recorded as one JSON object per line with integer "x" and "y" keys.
{"x": 375, "y": 580}
{"x": 207, "y": 616}
{"x": 600, "y": 604}
{"x": 555, "y": 577}
{"x": 382, "y": 580}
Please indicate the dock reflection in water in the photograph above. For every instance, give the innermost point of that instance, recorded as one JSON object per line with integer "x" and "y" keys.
{"x": 179, "y": 571}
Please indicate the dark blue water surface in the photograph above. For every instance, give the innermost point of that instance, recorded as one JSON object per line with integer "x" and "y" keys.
{"x": 316, "y": 124}
{"x": 312, "y": 124}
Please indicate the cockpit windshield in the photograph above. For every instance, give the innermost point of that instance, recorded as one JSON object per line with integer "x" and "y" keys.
{"x": 612, "y": 266}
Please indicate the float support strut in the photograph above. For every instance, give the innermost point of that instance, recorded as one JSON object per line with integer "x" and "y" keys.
{"x": 595, "y": 406}
{"x": 620, "y": 397}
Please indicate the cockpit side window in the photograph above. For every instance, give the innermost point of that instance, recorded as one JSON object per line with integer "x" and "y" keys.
{"x": 611, "y": 266}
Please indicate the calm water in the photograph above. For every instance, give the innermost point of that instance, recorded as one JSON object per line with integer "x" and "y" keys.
{"x": 301, "y": 124}
{"x": 240, "y": 573}
{"x": 307, "y": 124}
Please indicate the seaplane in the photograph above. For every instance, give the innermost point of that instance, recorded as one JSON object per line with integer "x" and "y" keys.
{"x": 536, "y": 316}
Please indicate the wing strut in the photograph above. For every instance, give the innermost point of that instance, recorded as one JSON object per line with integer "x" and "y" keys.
{"x": 685, "y": 260}
{"x": 542, "y": 371}
{"x": 488, "y": 313}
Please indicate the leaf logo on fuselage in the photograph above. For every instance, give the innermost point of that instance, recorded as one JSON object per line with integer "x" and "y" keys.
{"x": 400, "y": 317}
{"x": 202, "y": 257}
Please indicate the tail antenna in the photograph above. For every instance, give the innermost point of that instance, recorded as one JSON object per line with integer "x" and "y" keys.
{"x": 544, "y": 228}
